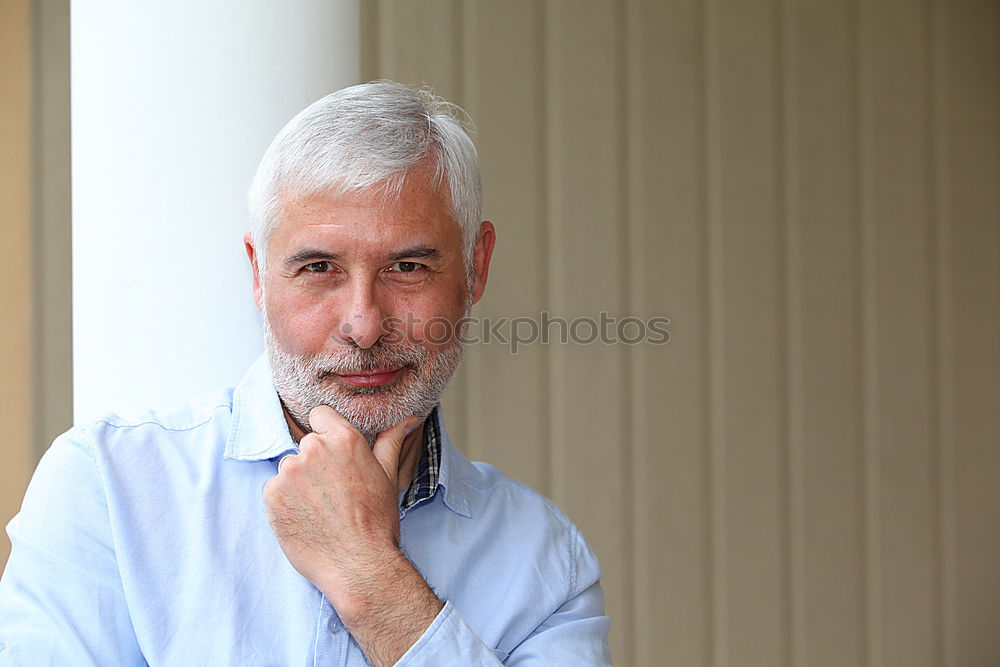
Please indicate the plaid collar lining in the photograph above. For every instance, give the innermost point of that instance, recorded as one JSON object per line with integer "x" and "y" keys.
{"x": 425, "y": 482}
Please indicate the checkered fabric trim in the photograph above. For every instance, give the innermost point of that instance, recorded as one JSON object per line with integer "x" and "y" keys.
{"x": 425, "y": 482}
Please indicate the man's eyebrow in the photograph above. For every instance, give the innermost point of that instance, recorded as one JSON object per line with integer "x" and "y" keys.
{"x": 416, "y": 252}
{"x": 311, "y": 255}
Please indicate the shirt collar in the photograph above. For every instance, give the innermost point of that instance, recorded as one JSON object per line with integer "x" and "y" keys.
{"x": 259, "y": 432}
{"x": 464, "y": 485}
{"x": 425, "y": 479}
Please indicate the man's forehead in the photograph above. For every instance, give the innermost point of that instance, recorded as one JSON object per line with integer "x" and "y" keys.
{"x": 345, "y": 225}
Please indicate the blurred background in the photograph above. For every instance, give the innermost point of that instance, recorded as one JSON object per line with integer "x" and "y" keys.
{"x": 807, "y": 474}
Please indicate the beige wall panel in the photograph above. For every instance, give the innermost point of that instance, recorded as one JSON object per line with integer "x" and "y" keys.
{"x": 967, "y": 96}
{"x": 506, "y": 43}
{"x": 825, "y": 457}
{"x": 53, "y": 290}
{"x": 898, "y": 292}
{"x": 806, "y": 474}
{"x": 590, "y": 439}
{"x": 667, "y": 262}
{"x": 747, "y": 334}
{"x": 16, "y": 350}
{"x": 420, "y": 43}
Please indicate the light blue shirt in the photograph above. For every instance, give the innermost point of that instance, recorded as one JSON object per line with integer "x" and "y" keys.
{"x": 146, "y": 542}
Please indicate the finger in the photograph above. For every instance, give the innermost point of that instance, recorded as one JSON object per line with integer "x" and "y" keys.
{"x": 322, "y": 418}
{"x": 282, "y": 460}
{"x": 390, "y": 442}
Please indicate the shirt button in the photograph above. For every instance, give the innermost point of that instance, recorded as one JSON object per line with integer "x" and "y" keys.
{"x": 334, "y": 625}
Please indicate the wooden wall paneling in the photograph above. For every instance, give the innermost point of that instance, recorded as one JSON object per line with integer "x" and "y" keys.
{"x": 17, "y": 408}
{"x": 967, "y": 142}
{"x": 421, "y": 43}
{"x": 825, "y": 456}
{"x": 667, "y": 263}
{"x": 806, "y": 474}
{"x": 898, "y": 287}
{"x": 587, "y": 245}
{"x": 505, "y": 97}
{"x": 53, "y": 276}
{"x": 747, "y": 330}
{"x": 15, "y": 244}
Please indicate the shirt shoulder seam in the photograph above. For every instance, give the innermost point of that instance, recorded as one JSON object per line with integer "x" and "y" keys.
{"x": 521, "y": 486}
{"x": 572, "y": 531}
{"x": 151, "y": 422}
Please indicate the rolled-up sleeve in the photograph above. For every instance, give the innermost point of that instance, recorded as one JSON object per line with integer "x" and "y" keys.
{"x": 61, "y": 599}
{"x": 576, "y": 634}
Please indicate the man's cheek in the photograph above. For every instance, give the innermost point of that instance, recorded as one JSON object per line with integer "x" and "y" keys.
{"x": 307, "y": 336}
{"x": 438, "y": 331}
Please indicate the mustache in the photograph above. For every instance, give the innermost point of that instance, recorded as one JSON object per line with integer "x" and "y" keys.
{"x": 380, "y": 356}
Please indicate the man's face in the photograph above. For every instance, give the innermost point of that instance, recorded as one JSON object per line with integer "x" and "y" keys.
{"x": 362, "y": 299}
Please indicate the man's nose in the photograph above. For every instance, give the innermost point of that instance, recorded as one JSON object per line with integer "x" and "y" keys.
{"x": 362, "y": 324}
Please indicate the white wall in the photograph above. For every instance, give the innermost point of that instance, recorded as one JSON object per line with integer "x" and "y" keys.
{"x": 173, "y": 105}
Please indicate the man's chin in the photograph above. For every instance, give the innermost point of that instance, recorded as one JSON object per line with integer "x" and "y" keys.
{"x": 372, "y": 412}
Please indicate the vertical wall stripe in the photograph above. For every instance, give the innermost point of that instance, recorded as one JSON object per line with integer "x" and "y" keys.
{"x": 634, "y": 301}
{"x": 17, "y": 344}
{"x": 869, "y": 319}
{"x": 862, "y": 316}
{"x": 716, "y": 346}
{"x": 460, "y": 54}
{"x": 794, "y": 505}
{"x": 787, "y": 256}
{"x": 371, "y": 38}
{"x": 464, "y": 64}
{"x": 387, "y": 23}
{"x": 552, "y": 212}
{"x": 942, "y": 335}
{"x": 935, "y": 392}
{"x": 52, "y": 263}
{"x": 707, "y": 412}
{"x": 545, "y": 210}
{"x": 626, "y": 305}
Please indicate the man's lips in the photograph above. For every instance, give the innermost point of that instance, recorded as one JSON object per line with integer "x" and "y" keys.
{"x": 369, "y": 378}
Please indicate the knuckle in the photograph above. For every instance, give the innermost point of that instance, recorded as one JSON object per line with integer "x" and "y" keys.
{"x": 320, "y": 417}
{"x": 310, "y": 444}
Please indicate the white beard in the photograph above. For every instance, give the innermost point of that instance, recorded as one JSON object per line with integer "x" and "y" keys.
{"x": 304, "y": 381}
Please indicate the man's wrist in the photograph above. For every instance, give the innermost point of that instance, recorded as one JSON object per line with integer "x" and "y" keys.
{"x": 388, "y": 609}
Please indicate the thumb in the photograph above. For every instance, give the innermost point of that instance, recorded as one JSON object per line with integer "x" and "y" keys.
{"x": 390, "y": 442}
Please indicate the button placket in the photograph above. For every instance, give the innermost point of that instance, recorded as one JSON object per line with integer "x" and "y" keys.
{"x": 331, "y": 645}
{"x": 334, "y": 625}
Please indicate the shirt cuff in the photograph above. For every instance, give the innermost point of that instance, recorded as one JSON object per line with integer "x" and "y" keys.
{"x": 449, "y": 641}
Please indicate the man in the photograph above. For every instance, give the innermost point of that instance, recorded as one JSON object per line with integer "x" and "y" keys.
{"x": 318, "y": 513}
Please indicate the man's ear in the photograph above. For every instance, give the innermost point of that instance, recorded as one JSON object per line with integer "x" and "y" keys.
{"x": 252, "y": 256}
{"x": 481, "y": 255}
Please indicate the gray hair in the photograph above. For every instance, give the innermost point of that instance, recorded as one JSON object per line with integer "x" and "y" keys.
{"x": 363, "y": 137}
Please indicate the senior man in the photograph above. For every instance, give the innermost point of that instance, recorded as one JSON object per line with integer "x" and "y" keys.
{"x": 318, "y": 513}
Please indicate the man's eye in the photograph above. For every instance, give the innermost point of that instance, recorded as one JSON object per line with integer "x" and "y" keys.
{"x": 406, "y": 267}
{"x": 318, "y": 267}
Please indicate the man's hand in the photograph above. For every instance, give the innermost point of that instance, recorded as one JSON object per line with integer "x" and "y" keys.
{"x": 335, "y": 511}
{"x": 334, "y": 507}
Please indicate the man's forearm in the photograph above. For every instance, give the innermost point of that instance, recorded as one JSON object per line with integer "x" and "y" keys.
{"x": 386, "y": 608}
